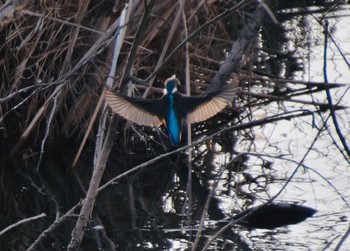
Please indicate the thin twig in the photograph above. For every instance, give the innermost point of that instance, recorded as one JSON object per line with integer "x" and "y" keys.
{"x": 21, "y": 91}
{"x": 206, "y": 207}
{"x": 53, "y": 226}
{"x": 47, "y": 130}
{"x": 36, "y": 119}
{"x": 22, "y": 222}
{"x": 322, "y": 106}
{"x": 19, "y": 104}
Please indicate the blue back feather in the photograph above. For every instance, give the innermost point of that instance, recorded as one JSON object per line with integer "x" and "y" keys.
{"x": 173, "y": 123}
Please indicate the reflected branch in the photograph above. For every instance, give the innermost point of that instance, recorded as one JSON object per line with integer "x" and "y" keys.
{"x": 329, "y": 96}
{"x": 343, "y": 239}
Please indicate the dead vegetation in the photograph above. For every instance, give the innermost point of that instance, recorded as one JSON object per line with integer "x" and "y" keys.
{"x": 53, "y": 54}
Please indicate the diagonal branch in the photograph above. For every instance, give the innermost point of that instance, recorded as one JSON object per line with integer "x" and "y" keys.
{"x": 239, "y": 48}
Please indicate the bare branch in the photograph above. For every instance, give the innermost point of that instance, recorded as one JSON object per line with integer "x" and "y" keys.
{"x": 22, "y": 222}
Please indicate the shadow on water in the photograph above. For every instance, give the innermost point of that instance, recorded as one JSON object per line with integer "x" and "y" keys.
{"x": 152, "y": 208}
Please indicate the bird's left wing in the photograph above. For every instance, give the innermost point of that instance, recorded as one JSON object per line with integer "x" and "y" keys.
{"x": 204, "y": 107}
{"x": 140, "y": 111}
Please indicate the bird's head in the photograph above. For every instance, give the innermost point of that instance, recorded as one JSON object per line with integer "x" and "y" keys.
{"x": 170, "y": 85}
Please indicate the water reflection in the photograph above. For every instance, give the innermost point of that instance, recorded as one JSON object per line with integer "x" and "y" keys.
{"x": 293, "y": 139}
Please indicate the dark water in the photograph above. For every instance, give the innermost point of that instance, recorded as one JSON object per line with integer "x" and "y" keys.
{"x": 153, "y": 209}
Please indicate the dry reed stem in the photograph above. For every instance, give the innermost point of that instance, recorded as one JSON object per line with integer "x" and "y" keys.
{"x": 102, "y": 150}
{"x": 169, "y": 39}
{"x": 88, "y": 130}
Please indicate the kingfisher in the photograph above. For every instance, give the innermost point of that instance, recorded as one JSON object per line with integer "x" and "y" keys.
{"x": 173, "y": 109}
